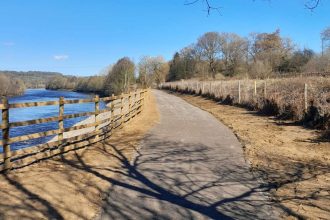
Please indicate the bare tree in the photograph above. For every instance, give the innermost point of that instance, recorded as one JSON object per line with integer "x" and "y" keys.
{"x": 234, "y": 50}
{"x": 121, "y": 77}
{"x": 152, "y": 70}
{"x": 269, "y": 48}
{"x": 4, "y": 84}
{"x": 209, "y": 46}
{"x": 191, "y": 61}
{"x": 11, "y": 86}
{"x": 325, "y": 39}
{"x": 145, "y": 72}
{"x": 319, "y": 63}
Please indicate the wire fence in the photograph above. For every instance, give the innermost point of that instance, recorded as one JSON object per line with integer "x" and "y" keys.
{"x": 299, "y": 98}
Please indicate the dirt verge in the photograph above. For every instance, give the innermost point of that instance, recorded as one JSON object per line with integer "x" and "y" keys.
{"x": 289, "y": 157}
{"x": 73, "y": 185}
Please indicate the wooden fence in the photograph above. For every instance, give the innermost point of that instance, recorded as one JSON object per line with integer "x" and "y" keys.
{"x": 100, "y": 124}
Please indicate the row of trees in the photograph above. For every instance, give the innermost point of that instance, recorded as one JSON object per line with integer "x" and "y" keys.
{"x": 14, "y": 83}
{"x": 213, "y": 55}
{"x": 258, "y": 55}
{"x": 120, "y": 77}
{"x": 62, "y": 82}
{"x": 93, "y": 84}
{"x": 117, "y": 79}
{"x": 10, "y": 86}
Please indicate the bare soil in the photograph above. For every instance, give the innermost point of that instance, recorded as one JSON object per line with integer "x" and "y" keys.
{"x": 291, "y": 158}
{"x": 73, "y": 185}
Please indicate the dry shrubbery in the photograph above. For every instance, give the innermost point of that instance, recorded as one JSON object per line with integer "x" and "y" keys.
{"x": 283, "y": 98}
{"x": 10, "y": 86}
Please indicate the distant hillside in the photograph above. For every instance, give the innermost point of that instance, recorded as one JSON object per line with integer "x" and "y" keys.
{"x": 32, "y": 79}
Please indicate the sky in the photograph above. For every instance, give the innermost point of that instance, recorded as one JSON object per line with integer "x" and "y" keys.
{"x": 82, "y": 37}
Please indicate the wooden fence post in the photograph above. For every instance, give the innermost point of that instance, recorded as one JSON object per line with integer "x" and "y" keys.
{"x": 97, "y": 110}
{"x": 255, "y": 88}
{"x": 135, "y": 103}
{"x": 220, "y": 89}
{"x": 5, "y": 135}
{"x": 129, "y": 106}
{"x": 122, "y": 118}
{"x": 239, "y": 91}
{"x": 60, "y": 121}
{"x": 265, "y": 89}
{"x": 142, "y": 100}
{"x": 306, "y": 97}
{"x": 112, "y": 118}
{"x": 211, "y": 89}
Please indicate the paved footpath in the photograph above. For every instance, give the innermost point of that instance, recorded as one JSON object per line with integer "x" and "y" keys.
{"x": 189, "y": 166}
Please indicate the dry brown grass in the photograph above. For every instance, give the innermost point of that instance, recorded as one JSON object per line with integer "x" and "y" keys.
{"x": 73, "y": 185}
{"x": 283, "y": 98}
{"x": 288, "y": 157}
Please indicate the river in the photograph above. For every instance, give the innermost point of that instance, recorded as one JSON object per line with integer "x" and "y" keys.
{"x": 38, "y": 95}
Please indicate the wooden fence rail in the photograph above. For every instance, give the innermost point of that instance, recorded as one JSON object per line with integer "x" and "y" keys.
{"x": 119, "y": 110}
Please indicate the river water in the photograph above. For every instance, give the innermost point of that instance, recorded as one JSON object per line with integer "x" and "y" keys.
{"x": 38, "y": 95}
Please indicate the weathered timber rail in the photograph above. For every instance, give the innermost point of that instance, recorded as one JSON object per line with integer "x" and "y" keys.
{"x": 100, "y": 124}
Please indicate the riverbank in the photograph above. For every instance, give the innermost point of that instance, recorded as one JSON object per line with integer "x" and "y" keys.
{"x": 290, "y": 158}
{"x": 66, "y": 187}
{"x": 33, "y": 113}
{"x": 78, "y": 91}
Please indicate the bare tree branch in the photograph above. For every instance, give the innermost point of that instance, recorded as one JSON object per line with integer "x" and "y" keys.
{"x": 209, "y": 7}
{"x": 191, "y": 3}
{"x": 310, "y": 4}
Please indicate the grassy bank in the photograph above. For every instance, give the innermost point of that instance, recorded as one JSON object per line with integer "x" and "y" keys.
{"x": 289, "y": 158}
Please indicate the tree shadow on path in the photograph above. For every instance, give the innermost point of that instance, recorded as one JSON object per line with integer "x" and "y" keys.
{"x": 175, "y": 183}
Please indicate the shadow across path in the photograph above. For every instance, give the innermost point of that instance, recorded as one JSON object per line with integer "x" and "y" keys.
{"x": 189, "y": 166}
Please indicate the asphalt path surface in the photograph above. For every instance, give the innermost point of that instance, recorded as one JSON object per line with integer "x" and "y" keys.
{"x": 189, "y": 166}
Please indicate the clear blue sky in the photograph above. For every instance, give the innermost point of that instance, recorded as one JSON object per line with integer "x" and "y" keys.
{"x": 81, "y": 37}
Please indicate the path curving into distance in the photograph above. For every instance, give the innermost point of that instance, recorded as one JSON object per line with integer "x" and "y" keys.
{"x": 189, "y": 166}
